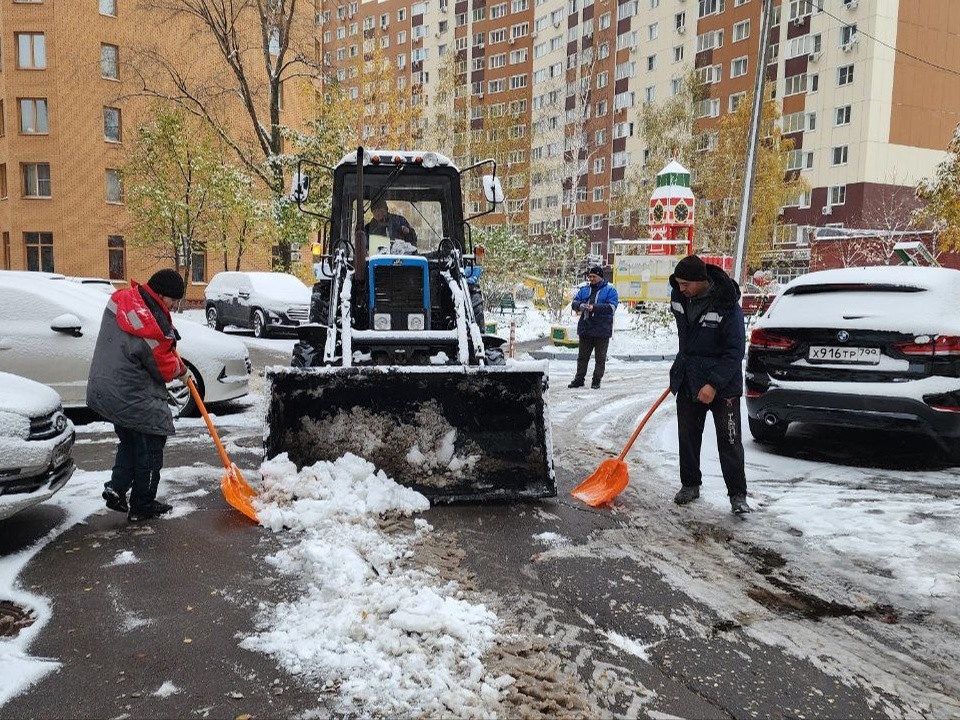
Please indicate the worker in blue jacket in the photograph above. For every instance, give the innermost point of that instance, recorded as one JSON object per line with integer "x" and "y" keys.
{"x": 707, "y": 374}
{"x": 596, "y": 302}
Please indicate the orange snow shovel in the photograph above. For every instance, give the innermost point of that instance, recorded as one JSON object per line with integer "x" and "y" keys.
{"x": 612, "y": 476}
{"x": 236, "y": 490}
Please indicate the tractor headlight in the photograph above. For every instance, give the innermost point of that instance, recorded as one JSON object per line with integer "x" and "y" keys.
{"x": 415, "y": 321}
{"x": 381, "y": 321}
{"x": 430, "y": 160}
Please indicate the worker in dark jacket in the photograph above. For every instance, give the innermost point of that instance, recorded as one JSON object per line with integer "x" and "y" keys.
{"x": 707, "y": 374}
{"x": 596, "y": 302}
{"x": 134, "y": 358}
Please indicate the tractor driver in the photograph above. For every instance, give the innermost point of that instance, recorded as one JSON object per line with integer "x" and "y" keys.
{"x": 395, "y": 227}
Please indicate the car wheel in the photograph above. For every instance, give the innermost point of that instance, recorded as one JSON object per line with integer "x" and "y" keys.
{"x": 260, "y": 324}
{"x": 213, "y": 318}
{"x": 767, "y": 433}
{"x": 179, "y": 398}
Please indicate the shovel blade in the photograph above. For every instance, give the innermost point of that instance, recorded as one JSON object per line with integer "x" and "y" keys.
{"x": 238, "y": 492}
{"x": 604, "y": 485}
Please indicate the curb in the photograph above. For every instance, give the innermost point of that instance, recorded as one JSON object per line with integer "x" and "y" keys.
{"x": 548, "y": 355}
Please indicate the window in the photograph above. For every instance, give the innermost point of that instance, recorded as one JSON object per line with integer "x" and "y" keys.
{"x": 845, "y": 75}
{"x": 3, "y": 123}
{"x": 599, "y": 165}
{"x": 738, "y": 67}
{"x": 114, "y": 187}
{"x": 711, "y": 7}
{"x": 198, "y": 265}
{"x": 842, "y": 115}
{"x": 31, "y": 51}
{"x": 36, "y": 180}
{"x": 651, "y": 62}
{"x": 653, "y": 31}
{"x": 111, "y": 124}
{"x": 7, "y": 263}
{"x": 3, "y": 182}
{"x": 116, "y": 257}
{"x": 478, "y": 14}
{"x": 680, "y": 21}
{"x": 710, "y": 40}
{"x": 741, "y": 31}
{"x": 676, "y": 85}
{"x": 108, "y": 7}
{"x": 839, "y": 154}
{"x": 837, "y": 194}
{"x": 796, "y": 84}
{"x": 39, "y": 247}
{"x": 735, "y": 101}
{"x": 33, "y": 116}
{"x": 710, "y": 74}
{"x": 708, "y": 108}
{"x": 110, "y": 62}
{"x": 848, "y": 35}
{"x": 798, "y": 122}
{"x": 800, "y": 160}
{"x": 678, "y": 54}
{"x": 498, "y": 11}
{"x": 649, "y": 94}
{"x": 496, "y": 36}
{"x": 496, "y": 61}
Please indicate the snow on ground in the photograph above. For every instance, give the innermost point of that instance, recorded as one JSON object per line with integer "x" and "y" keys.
{"x": 391, "y": 639}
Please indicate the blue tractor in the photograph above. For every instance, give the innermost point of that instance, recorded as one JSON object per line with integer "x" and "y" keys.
{"x": 394, "y": 365}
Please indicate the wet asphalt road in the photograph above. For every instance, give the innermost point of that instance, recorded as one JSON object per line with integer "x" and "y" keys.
{"x": 119, "y": 632}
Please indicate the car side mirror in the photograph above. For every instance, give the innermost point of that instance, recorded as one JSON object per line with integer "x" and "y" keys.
{"x": 68, "y": 323}
{"x": 244, "y": 294}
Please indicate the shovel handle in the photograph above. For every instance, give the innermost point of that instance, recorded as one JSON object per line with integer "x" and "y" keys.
{"x": 643, "y": 422}
{"x": 206, "y": 418}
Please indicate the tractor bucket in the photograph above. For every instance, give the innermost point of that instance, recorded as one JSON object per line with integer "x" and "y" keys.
{"x": 451, "y": 433}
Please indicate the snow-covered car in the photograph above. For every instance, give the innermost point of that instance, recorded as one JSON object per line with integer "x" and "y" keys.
{"x": 93, "y": 283}
{"x": 265, "y": 302}
{"x": 875, "y": 347}
{"x": 35, "y": 443}
{"x": 49, "y": 328}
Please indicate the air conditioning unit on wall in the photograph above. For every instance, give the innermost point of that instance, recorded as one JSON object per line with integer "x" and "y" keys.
{"x": 813, "y": 57}
{"x": 826, "y": 210}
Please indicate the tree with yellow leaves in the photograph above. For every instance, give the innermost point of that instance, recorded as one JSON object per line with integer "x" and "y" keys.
{"x": 941, "y": 197}
{"x": 720, "y": 178}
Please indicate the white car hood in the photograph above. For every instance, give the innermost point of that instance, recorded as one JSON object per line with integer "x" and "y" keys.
{"x": 26, "y": 397}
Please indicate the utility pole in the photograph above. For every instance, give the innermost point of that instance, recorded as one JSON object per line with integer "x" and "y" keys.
{"x": 750, "y": 169}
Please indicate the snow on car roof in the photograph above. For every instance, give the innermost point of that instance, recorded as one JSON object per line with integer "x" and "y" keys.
{"x": 920, "y": 300}
{"x": 280, "y": 285}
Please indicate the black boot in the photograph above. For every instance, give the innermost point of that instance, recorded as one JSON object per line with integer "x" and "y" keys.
{"x": 115, "y": 501}
{"x": 688, "y": 493}
{"x": 577, "y": 382}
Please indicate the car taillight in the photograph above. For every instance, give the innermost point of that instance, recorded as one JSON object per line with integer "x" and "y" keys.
{"x": 768, "y": 341}
{"x": 941, "y": 345}
{"x": 945, "y": 402}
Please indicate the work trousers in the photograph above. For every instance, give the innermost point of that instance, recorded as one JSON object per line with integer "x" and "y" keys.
{"x": 598, "y": 346}
{"x": 137, "y": 466}
{"x": 691, "y": 418}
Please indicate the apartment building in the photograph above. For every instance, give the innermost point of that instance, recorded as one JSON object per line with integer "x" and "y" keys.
{"x": 69, "y": 110}
{"x": 863, "y": 98}
{"x": 867, "y": 88}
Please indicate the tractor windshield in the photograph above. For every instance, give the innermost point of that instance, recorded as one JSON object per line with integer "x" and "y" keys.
{"x": 413, "y": 207}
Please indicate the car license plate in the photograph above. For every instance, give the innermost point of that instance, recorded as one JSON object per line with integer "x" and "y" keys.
{"x": 62, "y": 452}
{"x": 854, "y": 355}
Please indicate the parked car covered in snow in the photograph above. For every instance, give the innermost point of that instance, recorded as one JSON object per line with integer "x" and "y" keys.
{"x": 35, "y": 443}
{"x": 265, "y": 302}
{"x": 49, "y": 328}
{"x": 874, "y": 347}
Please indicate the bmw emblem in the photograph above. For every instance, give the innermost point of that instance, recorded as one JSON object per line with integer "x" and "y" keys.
{"x": 60, "y": 423}
{"x": 843, "y": 336}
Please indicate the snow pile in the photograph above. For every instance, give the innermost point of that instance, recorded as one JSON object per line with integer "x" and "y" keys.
{"x": 166, "y": 690}
{"x": 389, "y": 638}
{"x": 125, "y": 557}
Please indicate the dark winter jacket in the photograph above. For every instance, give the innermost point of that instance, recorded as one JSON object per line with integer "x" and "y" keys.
{"x": 598, "y": 323}
{"x": 712, "y": 337}
{"x": 396, "y": 227}
{"x": 134, "y": 358}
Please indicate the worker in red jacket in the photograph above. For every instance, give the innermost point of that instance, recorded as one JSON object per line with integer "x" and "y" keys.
{"x": 135, "y": 357}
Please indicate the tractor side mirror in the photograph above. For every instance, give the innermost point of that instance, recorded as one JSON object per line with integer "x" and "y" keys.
{"x": 299, "y": 187}
{"x": 492, "y": 189}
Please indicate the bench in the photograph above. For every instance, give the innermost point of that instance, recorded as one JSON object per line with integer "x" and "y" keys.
{"x": 508, "y": 304}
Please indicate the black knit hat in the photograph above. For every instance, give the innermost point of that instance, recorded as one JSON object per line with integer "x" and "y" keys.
{"x": 595, "y": 270}
{"x": 691, "y": 269}
{"x": 167, "y": 282}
